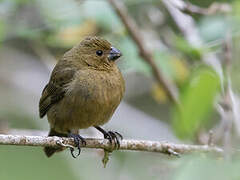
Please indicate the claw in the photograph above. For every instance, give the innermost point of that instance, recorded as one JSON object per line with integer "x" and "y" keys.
{"x": 121, "y": 137}
{"x": 115, "y": 135}
{"x": 77, "y": 138}
{"x": 72, "y": 152}
{"x": 111, "y": 136}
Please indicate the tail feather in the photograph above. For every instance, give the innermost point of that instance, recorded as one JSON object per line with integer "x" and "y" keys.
{"x": 49, "y": 151}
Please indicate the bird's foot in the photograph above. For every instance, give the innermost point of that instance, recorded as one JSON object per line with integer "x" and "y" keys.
{"x": 78, "y": 140}
{"x": 111, "y": 136}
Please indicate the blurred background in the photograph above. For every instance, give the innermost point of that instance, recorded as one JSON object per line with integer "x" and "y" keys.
{"x": 194, "y": 43}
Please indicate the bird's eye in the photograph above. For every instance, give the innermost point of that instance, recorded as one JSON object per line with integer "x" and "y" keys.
{"x": 99, "y": 52}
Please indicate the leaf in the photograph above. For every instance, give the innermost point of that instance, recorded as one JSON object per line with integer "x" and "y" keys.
{"x": 196, "y": 102}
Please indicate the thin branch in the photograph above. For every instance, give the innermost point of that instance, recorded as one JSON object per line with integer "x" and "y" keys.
{"x": 210, "y": 138}
{"x": 214, "y": 8}
{"x": 227, "y": 103}
{"x": 134, "y": 32}
{"x": 137, "y": 145}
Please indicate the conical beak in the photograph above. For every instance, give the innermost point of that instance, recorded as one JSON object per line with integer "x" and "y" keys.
{"x": 114, "y": 54}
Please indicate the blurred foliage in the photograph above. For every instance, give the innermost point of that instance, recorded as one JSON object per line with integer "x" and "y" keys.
{"x": 173, "y": 67}
{"x": 2, "y": 30}
{"x": 207, "y": 167}
{"x": 214, "y": 28}
{"x": 197, "y": 100}
{"x": 190, "y": 52}
{"x": 29, "y": 163}
{"x": 70, "y": 36}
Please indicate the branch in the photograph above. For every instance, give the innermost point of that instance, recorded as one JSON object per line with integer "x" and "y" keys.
{"x": 137, "y": 145}
{"x": 184, "y": 22}
{"x": 134, "y": 32}
{"x": 214, "y": 8}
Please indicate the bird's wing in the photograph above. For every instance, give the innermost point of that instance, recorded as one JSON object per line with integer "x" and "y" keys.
{"x": 55, "y": 90}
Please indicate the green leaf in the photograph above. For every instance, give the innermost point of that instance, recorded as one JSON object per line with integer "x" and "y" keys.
{"x": 196, "y": 102}
{"x": 187, "y": 49}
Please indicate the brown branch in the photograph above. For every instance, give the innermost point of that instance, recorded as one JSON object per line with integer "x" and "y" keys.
{"x": 132, "y": 28}
{"x": 136, "y": 145}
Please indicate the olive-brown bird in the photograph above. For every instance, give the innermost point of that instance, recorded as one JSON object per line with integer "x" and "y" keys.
{"x": 84, "y": 90}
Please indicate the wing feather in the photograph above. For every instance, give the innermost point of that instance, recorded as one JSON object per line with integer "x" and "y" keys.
{"x": 55, "y": 90}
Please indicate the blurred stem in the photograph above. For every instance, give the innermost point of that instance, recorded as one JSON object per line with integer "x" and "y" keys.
{"x": 214, "y": 8}
{"x": 134, "y": 32}
{"x": 227, "y": 50}
{"x": 228, "y": 95}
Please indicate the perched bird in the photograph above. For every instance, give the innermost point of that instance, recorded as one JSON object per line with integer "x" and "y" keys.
{"x": 84, "y": 90}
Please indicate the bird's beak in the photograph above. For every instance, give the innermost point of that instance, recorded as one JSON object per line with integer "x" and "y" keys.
{"x": 114, "y": 54}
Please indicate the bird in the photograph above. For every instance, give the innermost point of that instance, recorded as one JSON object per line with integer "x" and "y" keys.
{"x": 85, "y": 88}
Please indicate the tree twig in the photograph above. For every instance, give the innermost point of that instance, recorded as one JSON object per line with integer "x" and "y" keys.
{"x": 214, "y": 8}
{"x": 132, "y": 28}
{"x": 137, "y": 145}
{"x": 228, "y": 96}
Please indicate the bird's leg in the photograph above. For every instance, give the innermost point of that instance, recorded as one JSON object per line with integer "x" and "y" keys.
{"x": 111, "y": 136}
{"x": 77, "y": 139}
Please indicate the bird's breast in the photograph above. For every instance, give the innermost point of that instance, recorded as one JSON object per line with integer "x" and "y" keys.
{"x": 98, "y": 86}
{"x": 92, "y": 97}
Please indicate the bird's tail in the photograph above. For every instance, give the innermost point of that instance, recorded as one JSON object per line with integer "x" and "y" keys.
{"x": 49, "y": 151}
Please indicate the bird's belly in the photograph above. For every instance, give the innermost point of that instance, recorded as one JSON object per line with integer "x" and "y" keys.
{"x": 90, "y": 113}
{"x": 84, "y": 107}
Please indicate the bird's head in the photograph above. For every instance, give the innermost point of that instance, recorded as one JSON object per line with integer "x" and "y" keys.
{"x": 96, "y": 52}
